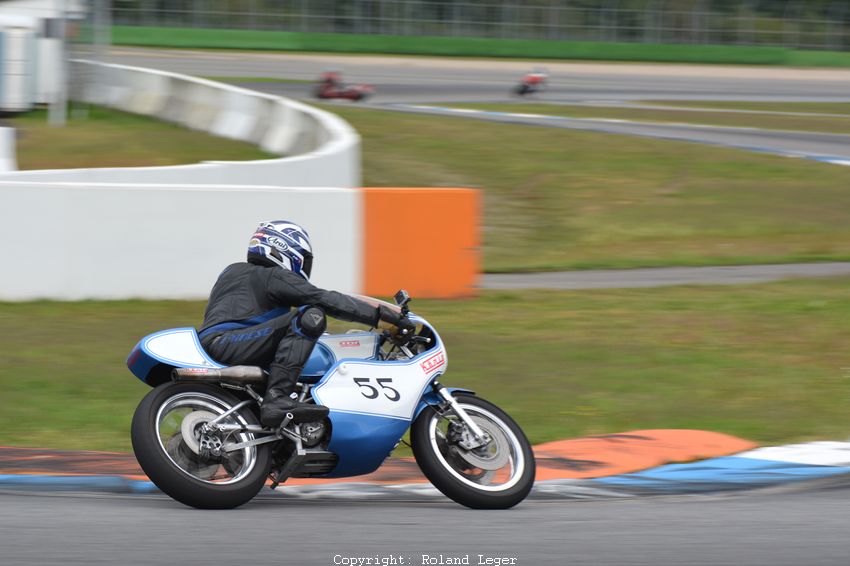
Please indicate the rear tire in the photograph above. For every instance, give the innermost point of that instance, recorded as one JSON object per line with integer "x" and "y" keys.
{"x": 196, "y": 482}
{"x": 442, "y": 461}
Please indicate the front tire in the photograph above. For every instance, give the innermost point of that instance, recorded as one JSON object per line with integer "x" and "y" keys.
{"x": 509, "y": 467}
{"x": 175, "y": 466}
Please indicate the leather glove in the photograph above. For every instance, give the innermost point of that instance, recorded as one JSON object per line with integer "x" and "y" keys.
{"x": 387, "y": 318}
{"x": 400, "y": 327}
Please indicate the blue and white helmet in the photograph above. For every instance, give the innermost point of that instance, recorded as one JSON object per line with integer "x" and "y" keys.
{"x": 282, "y": 243}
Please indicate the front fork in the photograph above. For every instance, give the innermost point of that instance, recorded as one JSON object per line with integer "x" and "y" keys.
{"x": 480, "y": 437}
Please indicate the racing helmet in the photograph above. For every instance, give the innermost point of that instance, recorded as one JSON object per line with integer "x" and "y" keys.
{"x": 282, "y": 243}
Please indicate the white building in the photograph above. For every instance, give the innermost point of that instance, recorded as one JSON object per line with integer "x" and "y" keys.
{"x": 31, "y": 51}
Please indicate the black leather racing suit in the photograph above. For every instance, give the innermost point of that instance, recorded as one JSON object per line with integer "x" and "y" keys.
{"x": 252, "y": 318}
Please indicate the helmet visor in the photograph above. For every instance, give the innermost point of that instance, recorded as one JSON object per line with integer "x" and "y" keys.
{"x": 307, "y": 266}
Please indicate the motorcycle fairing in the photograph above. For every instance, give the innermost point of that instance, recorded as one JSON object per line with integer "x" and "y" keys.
{"x": 363, "y": 442}
{"x": 156, "y": 354}
{"x": 367, "y": 423}
{"x": 380, "y": 387}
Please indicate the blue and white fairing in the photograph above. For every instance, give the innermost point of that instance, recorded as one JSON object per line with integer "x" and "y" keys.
{"x": 372, "y": 403}
{"x": 153, "y": 358}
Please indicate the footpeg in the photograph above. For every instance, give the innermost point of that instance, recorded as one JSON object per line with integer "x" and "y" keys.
{"x": 283, "y": 424}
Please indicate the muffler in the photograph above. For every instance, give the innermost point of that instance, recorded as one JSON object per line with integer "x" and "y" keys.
{"x": 240, "y": 375}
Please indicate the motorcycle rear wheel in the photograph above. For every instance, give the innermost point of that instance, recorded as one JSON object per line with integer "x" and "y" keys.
{"x": 509, "y": 466}
{"x": 176, "y": 467}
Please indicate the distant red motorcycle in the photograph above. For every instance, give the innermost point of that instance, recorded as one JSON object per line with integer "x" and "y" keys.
{"x": 330, "y": 86}
{"x": 532, "y": 83}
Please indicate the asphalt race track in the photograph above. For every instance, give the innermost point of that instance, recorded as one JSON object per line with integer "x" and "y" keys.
{"x": 419, "y": 79}
{"x": 788, "y": 527}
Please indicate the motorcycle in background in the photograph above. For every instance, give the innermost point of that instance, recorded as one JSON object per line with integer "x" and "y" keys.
{"x": 532, "y": 83}
{"x": 330, "y": 86}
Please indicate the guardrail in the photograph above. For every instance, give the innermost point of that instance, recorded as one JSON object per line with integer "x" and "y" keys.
{"x": 321, "y": 149}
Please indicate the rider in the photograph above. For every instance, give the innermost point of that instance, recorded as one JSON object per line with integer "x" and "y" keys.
{"x": 266, "y": 312}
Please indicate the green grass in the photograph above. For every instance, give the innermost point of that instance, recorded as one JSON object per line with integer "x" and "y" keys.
{"x": 826, "y": 124}
{"x": 471, "y": 47}
{"x": 766, "y": 362}
{"x": 811, "y": 107}
{"x": 109, "y": 138}
{"x": 561, "y": 199}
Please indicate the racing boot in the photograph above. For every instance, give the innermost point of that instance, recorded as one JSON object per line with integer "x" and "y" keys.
{"x": 276, "y": 405}
{"x": 292, "y": 353}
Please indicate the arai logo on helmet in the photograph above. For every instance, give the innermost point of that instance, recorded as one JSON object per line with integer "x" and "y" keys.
{"x": 277, "y": 242}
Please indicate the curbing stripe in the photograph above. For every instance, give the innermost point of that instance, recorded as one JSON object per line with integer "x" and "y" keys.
{"x": 720, "y": 474}
{"x": 107, "y": 484}
{"x": 812, "y": 453}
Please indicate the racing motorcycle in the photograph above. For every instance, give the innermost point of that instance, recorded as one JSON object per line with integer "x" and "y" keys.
{"x": 532, "y": 83}
{"x": 330, "y": 86}
{"x": 198, "y": 437}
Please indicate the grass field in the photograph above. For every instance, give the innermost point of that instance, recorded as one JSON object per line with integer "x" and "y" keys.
{"x": 199, "y": 38}
{"x": 766, "y": 362}
{"x": 810, "y": 123}
{"x": 560, "y": 199}
{"x": 109, "y": 138}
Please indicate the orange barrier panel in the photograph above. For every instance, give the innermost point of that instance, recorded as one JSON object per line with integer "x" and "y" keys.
{"x": 423, "y": 240}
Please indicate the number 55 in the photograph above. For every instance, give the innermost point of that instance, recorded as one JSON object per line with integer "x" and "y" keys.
{"x": 371, "y": 392}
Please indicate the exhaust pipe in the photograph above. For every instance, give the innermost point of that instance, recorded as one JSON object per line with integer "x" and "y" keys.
{"x": 241, "y": 375}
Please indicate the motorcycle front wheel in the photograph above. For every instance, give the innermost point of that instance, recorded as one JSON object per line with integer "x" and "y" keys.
{"x": 497, "y": 475}
{"x": 175, "y": 454}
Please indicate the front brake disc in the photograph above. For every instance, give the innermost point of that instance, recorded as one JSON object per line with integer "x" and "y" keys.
{"x": 493, "y": 455}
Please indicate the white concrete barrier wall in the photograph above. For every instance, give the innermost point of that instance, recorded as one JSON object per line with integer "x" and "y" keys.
{"x": 321, "y": 149}
{"x": 71, "y": 241}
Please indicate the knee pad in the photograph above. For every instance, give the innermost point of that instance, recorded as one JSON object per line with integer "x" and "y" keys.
{"x": 310, "y": 322}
